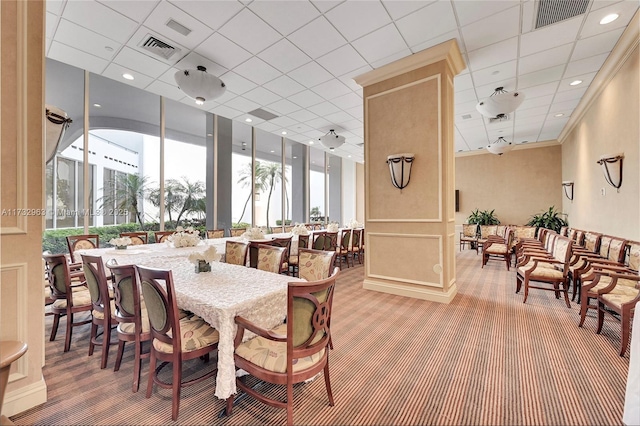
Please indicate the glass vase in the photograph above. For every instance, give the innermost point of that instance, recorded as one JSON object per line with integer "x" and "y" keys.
{"x": 202, "y": 266}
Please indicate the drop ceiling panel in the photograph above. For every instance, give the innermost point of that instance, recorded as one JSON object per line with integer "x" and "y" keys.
{"x": 262, "y": 96}
{"x": 257, "y": 71}
{"x": 471, "y": 11}
{"x": 284, "y": 107}
{"x": 550, "y": 36}
{"x": 493, "y": 29}
{"x": 427, "y": 23}
{"x": 317, "y": 38}
{"x": 381, "y": 43}
{"x": 324, "y": 109}
{"x": 223, "y": 51}
{"x": 240, "y": 84}
{"x": 250, "y": 32}
{"x": 355, "y": 19}
{"x": 549, "y": 58}
{"x": 586, "y": 80}
{"x": 495, "y": 54}
{"x": 356, "y": 112}
{"x": 541, "y": 90}
{"x": 537, "y": 78}
{"x": 226, "y": 111}
{"x": 342, "y": 60}
{"x": 310, "y": 74}
{"x": 243, "y": 104}
{"x": 80, "y": 38}
{"x": 535, "y": 102}
{"x": 284, "y": 86}
{"x": 462, "y": 82}
{"x": 454, "y": 34}
{"x": 52, "y": 24}
{"x": 167, "y": 90}
{"x": 399, "y": 8}
{"x": 136, "y": 10}
{"x": 569, "y": 95}
{"x": 347, "y": 101}
{"x": 77, "y": 58}
{"x": 285, "y": 16}
{"x": 581, "y": 66}
{"x": 306, "y": 98}
{"x": 143, "y": 64}
{"x": 495, "y": 74}
{"x": 100, "y": 19}
{"x": 601, "y": 43}
{"x": 115, "y": 71}
{"x": 141, "y": 36}
{"x": 54, "y": 6}
{"x": 302, "y": 115}
{"x": 392, "y": 58}
{"x": 331, "y": 89}
{"x": 625, "y": 10}
{"x": 284, "y": 56}
{"x": 466, "y": 96}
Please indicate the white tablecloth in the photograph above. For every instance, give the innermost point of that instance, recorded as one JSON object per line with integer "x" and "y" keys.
{"x": 217, "y": 296}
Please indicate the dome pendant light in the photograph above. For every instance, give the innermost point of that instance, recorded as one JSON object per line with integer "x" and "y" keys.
{"x": 331, "y": 140}
{"x": 500, "y": 102}
{"x": 199, "y": 85}
{"x": 500, "y": 146}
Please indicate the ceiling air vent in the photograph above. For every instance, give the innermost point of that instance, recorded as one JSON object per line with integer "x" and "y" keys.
{"x": 552, "y": 11}
{"x": 158, "y": 47}
{"x": 466, "y": 116}
{"x": 177, "y": 26}
{"x": 264, "y": 114}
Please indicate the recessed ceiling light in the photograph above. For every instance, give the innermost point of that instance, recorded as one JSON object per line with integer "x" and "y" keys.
{"x": 295, "y": 157}
{"x": 559, "y": 115}
{"x": 127, "y": 76}
{"x": 199, "y": 101}
{"x": 609, "y": 18}
{"x": 313, "y": 162}
{"x": 348, "y": 156}
{"x": 311, "y": 142}
{"x": 97, "y": 105}
{"x": 272, "y": 151}
{"x": 209, "y": 134}
{"x": 248, "y": 120}
{"x": 575, "y": 82}
{"x": 284, "y": 133}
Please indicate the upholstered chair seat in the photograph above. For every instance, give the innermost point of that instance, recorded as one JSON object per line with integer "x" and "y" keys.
{"x": 498, "y": 249}
{"x": 100, "y": 315}
{"x": 80, "y": 298}
{"x": 195, "y": 334}
{"x": 621, "y": 294}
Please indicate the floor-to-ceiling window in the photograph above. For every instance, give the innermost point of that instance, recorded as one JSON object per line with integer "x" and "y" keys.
{"x": 317, "y": 212}
{"x": 268, "y": 180}
{"x": 242, "y": 188}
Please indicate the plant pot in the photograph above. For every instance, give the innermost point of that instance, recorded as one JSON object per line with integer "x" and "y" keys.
{"x": 202, "y": 266}
{"x": 121, "y": 247}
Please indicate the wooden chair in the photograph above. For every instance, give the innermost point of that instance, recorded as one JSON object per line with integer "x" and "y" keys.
{"x": 66, "y": 301}
{"x": 498, "y": 247}
{"x": 303, "y": 242}
{"x": 315, "y": 265}
{"x": 485, "y": 232}
{"x": 236, "y": 253}
{"x": 174, "y": 340}
{"x": 104, "y": 309}
{"x": 286, "y": 243}
{"x": 132, "y": 317}
{"x": 236, "y": 232}
{"x": 318, "y": 241}
{"x": 356, "y": 244}
{"x": 297, "y": 350}
{"x": 595, "y": 283}
{"x": 215, "y": 233}
{"x": 330, "y": 241}
{"x": 553, "y": 271}
{"x": 614, "y": 251}
{"x": 81, "y": 242}
{"x": 271, "y": 258}
{"x": 137, "y": 238}
{"x": 161, "y": 236}
{"x": 619, "y": 299}
{"x": 343, "y": 251}
{"x": 287, "y": 228}
{"x": 469, "y": 235}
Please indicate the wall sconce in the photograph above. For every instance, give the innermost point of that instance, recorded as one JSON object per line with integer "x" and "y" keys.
{"x": 612, "y": 169}
{"x": 400, "y": 169}
{"x": 567, "y": 185}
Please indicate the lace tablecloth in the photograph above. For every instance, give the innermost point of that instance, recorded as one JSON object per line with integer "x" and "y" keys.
{"x": 217, "y": 296}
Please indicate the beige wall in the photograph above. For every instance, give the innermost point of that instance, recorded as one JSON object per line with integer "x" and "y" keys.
{"x": 517, "y": 184}
{"x": 609, "y": 126}
{"x": 360, "y": 192}
{"x": 21, "y": 172}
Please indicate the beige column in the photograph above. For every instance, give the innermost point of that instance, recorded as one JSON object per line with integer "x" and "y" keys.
{"x": 21, "y": 197}
{"x": 409, "y": 240}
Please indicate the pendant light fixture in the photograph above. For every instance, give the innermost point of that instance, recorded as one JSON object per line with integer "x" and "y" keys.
{"x": 199, "y": 85}
{"x": 331, "y": 140}
{"x": 500, "y": 146}
{"x": 500, "y": 102}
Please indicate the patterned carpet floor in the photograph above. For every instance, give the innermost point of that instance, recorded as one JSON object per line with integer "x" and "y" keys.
{"x": 484, "y": 359}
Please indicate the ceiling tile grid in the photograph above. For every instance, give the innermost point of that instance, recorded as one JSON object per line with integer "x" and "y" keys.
{"x": 298, "y": 59}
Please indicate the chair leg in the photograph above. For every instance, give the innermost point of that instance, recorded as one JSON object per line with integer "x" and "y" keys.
{"x": 106, "y": 343}
{"x": 152, "y": 372}
{"x": 54, "y": 328}
{"x": 565, "y": 286}
{"x": 526, "y": 290}
{"x": 121, "y": 344}
{"x": 624, "y": 337}
{"x": 518, "y": 283}
{"x": 137, "y": 366}
{"x": 177, "y": 380}
{"x": 67, "y": 337}
{"x": 584, "y": 306}
{"x": 229, "y": 408}
{"x": 600, "y": 316}
{"x": 327, "y": 383}
{"x": 289, "y": 404}
{"x": 92, "y": 338}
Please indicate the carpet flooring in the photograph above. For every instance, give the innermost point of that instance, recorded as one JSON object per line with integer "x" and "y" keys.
{"x": 484, "y": 359}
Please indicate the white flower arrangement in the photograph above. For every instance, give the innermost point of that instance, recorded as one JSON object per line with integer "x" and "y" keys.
{"x": 253, "y": 234}
{"x": 120, "y": 242}
{"x": 185, "y": 237}
{"x": 332, "y": 227}
{"x": 300, "y": 229}
{"x": 209, "y": 255}
{"x": 353, "y": 224}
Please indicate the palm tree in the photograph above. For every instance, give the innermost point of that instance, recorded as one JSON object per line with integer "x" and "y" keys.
{"x": 181, "y": 197}
{"x": 268, "y": 175}
{"x": 245, "y": 181}
{"x": 125, "y": 192}
{"x": 272, "y": 176}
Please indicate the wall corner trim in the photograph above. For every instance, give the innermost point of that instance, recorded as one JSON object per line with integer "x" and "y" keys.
{"x": 24, "y": 398}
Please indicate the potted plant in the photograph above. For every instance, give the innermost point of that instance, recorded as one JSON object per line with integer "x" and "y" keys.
{"x": 550, "y": 219}
{"x": 484, "y": 217}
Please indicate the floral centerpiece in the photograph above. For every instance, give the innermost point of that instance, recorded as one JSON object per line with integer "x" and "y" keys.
{"x": 332, "y": 227}
{"x": 202, "y": 260}
{"x": 300, "y": 229}
{"x": 188, "y": 237}
{"x": 120, "y": 243}
{"x": 253, "y": 234}
{"x": 353, "y": 224}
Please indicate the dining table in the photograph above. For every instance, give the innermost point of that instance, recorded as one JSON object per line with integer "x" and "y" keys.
{"x": 217, "y": 296}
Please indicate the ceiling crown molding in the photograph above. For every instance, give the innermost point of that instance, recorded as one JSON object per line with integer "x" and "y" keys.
{"x": 448, "y": 51}
{"x": 623, "y": 49}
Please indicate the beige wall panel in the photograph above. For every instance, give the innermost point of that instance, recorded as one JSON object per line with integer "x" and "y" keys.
{"x": 360, "y": 192}
{"x": 448, "y": 151}
{"x": 450, "y": 262}
{"x": 423, "y": 252}
{"x": 517, "y": 185}
{"x": 21, "y": 126}
{"x": 610, "y": 125}
{"x": 417, "y": 132}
